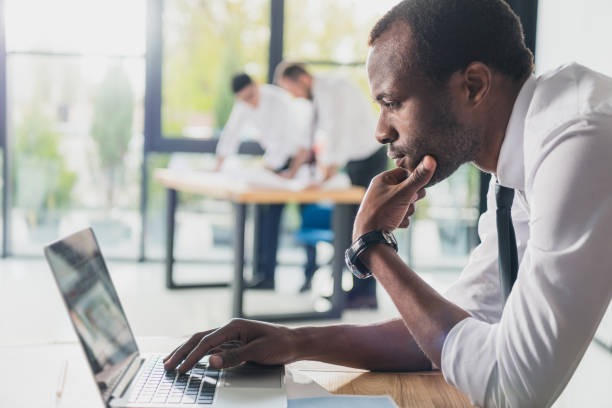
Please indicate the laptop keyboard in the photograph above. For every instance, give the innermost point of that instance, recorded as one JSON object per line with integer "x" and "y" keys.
{"x": 158, "y": 386}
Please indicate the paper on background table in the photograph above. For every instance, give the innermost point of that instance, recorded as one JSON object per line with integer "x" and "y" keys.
{"x": 258, "y": 177}
{"x": 262, "y": 178}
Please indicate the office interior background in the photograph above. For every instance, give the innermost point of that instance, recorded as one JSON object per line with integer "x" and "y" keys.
{"x": 95, "y": 95}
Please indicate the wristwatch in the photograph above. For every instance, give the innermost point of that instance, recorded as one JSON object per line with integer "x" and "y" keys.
{"x": 351, "y": 256}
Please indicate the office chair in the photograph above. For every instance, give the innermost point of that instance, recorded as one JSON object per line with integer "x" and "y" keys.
{"x": 316, "y": 227}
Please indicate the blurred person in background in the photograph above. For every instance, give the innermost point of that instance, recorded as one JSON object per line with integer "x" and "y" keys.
{"x": 282, "y": 133}
{"x": 343, "y": 126}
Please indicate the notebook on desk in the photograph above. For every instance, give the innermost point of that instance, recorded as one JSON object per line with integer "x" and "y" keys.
{"x": 124, "y": 376}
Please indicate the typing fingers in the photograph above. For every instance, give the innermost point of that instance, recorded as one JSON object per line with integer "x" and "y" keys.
{"x": 207, "y": 343}
{"x": 258, "y": 351}
{"x": 179, "y": 354}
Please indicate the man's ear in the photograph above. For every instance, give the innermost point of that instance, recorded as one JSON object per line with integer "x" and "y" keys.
{"x": 477, "y": 82}
{"x": 305, "y": 80}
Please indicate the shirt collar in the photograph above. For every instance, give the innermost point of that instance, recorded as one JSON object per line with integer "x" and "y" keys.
{"x": 511, "y": 162}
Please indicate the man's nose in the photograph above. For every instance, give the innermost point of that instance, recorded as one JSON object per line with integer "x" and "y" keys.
{"x": 385, "y": 132}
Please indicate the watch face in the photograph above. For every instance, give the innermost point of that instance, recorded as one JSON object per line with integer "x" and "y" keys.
{"x": 390, "y": 238}
{"x": 347, "y": 259}
{"x": 354, "y": 267}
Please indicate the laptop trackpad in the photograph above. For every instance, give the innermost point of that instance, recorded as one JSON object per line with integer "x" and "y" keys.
{"x": 253, "y": 376}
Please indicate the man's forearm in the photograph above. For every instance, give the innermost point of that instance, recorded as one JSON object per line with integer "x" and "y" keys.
{"x": 384, "y": 346}
{"x": 427, "y": 315}
{"x": 301, "y": 157}
{"x": 329, "y": 171}
{"x": 219, "y": 163}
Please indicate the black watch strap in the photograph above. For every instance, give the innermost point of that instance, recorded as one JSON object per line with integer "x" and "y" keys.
{"x": 351, "y": 256}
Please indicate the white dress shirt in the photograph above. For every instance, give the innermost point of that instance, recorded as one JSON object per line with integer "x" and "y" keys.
{"x": 282, "y": 126}
{"x": 557, "y": 155}
{"x": 346, "y": 121}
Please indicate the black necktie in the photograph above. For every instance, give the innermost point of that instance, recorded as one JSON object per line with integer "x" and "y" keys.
{"x": 508, "y": 257}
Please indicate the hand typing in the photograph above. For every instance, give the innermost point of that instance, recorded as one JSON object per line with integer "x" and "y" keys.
{"x": 248, "y": 340}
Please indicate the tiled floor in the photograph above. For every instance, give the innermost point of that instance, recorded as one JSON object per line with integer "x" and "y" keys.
{"x": 31, "y": 311}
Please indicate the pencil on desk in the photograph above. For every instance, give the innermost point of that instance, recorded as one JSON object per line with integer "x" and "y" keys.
{"x": 61, "y": 380}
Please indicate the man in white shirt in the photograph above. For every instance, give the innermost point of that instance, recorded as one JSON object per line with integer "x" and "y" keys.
{"x": 343, "y": 125}
{"x": 450, "y": 95}
{"x": 281, "y": 127}
{"x": 282, "y": 131}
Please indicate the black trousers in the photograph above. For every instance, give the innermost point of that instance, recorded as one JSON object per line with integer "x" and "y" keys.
{"x": 269, "y": 220}
{"x": 267, "y": 239}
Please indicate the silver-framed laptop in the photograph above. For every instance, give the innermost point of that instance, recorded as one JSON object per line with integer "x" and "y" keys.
{"x": 124, "y": 376}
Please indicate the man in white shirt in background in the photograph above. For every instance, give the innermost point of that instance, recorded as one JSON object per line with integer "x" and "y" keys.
{"x": 282, "y": 132}
{"x": 343, "y": 124}
{"x": 455, "y": 83}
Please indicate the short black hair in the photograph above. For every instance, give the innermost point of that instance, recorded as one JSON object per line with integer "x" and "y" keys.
{"x": 289, "y": 69}
{"x": 448, "y": 35}
{"x": 240, "y": 81}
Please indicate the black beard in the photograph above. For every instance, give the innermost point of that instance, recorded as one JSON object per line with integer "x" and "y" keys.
{"x": 450, "y": 144}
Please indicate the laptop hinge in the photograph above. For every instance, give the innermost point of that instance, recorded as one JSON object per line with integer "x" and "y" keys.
{"x": 127, "y": 377}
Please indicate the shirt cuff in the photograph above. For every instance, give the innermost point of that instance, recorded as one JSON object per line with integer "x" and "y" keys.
{"x": 469, "y": 358}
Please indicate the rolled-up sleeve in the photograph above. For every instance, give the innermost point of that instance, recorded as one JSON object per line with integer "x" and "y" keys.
{"x": 564, "y": 283}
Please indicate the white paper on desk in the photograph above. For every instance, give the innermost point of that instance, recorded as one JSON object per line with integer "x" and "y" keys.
{"x": 343, "y": 401}
{"x": 257, "y": 177}
{"x": 262, "y": 178}
{"x": 299, "y": 385}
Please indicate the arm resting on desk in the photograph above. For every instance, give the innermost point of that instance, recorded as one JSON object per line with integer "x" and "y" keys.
{"x": 385, "y": 346}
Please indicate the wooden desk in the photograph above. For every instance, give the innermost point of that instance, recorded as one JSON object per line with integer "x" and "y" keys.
{"x": 30, "y": 378}
{"x": 242, "y": 195}
{"x": 419, "y": 389}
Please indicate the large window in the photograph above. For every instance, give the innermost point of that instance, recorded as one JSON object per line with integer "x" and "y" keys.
{"x": 76, "y": 113}
{"x": 332, "y": 35}
{"x": 75, "y": 87}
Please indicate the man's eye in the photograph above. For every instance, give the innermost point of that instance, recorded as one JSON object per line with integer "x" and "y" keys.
{"x": 391, "y": 105}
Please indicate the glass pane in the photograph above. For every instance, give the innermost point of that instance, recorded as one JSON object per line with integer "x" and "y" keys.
{"x": 114, "y": 27}
{"x": 204, "y": 227}
{"x": 444, "y": 229}
{"x": 76, "y": 132}
{"x": 205, "y": 43}
{"x": 331, "y": 30}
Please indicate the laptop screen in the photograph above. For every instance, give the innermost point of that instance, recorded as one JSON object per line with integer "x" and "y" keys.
{"x": 93, "y": 306}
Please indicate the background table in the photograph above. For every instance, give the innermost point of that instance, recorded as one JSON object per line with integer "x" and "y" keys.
{"x": 240, "y": 196}
{"x": 30, "y": 375}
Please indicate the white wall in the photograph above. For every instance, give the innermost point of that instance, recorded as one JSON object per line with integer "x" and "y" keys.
{"x": 574, "y": 30}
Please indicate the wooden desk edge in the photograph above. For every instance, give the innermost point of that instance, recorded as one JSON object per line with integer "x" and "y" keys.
{"x": 240, "y": 194}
